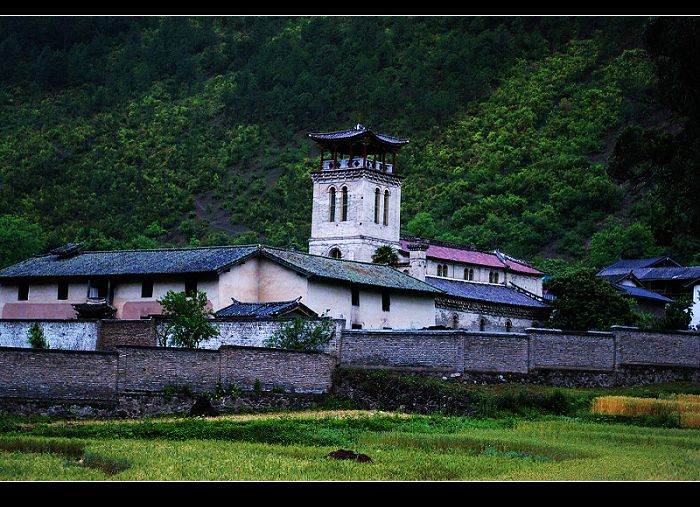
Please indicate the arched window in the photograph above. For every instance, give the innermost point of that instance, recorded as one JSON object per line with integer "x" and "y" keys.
{"x": 455, "y": 321}
{"x": 482, "y": 325}
{"x": 439, "y": 269}
{"x": 386, "y": 207}
{"x": 509, "y": 325}
{"x": 466, "y": 273}
{"x": 377, "y": 198}
{"x": 490, "y": 276}
{"x": 471, "y": 274}
{"x": 344, "y": 212}
{"x": 331, "y": 204}
{"x": 444, "y": 270}
{"x": 335, "y": 253}
{"x": 495, "y": 277}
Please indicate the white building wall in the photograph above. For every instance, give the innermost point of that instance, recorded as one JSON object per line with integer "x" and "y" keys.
{"x": 695, "y": 321}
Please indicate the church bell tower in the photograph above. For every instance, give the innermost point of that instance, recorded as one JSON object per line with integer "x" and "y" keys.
{"x": 356, "y": 195}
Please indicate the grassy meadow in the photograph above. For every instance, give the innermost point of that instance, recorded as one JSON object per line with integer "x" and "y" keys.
{"x": 295, "y": 445}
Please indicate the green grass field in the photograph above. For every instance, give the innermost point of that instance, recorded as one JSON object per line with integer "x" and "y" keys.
{"x": 294, "y": 446}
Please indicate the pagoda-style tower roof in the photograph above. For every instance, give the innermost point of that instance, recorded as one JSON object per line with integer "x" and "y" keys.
{"x": 342, "y": 140}
{"x": 350, "y": 149}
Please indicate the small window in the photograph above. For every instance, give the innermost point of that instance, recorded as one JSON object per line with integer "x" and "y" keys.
{"x": 466, "y": 274}
{"x": 190, "y": 286}
{"x": 471, "y": 274}
{"x": 377, "y": 200}
{"x": 63, "y": 290}
{"x": 386, "y": 207}
{"x": 335, "y": 253}
{"x": 355, "y": 296}
{"x": 495, "y": 277}
{"x": 482, "y": 325}
{"x": 97, "y": 289}
{"x": 331, "y": 204}
{"x": 344, "y": 211}
{"x": 357, "y": 326}
{"x": 455, "y": 321}
{"x": 509, "y": 325}
{"x": 23, "y": 292}
{"x": 147, "y": 288}
{"x": 386, "y": 301}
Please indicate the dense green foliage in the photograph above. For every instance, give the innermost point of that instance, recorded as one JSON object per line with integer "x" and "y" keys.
{"x": 385, "y": 255}
{"x": 302, "y": 334}
{"x": 187, "y": 322}
{"x": 584, "y": 301}
{"x": 138, "y": 132}
{"x": 36, "y": 338}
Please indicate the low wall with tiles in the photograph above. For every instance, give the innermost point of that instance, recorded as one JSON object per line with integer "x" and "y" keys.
{"x": 58, "y": 374}
{"x": 83, "y": 375}
{"x": 535, "y": 350}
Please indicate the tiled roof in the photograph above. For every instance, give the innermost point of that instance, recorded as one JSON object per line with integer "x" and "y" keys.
{"x": 262, "y": 310}
{"x": 687, "y": 273}
{"x": 344, "y": 135}
{"x": 627, "y": 265}
{"x": 638, "y": 292}
{"x": 130, "y": 262}
{"x": 209, "y": 260}
{"x": 361, "y": 273}
{"x": 454, "y": 253}
{"x": 491, "y": 293}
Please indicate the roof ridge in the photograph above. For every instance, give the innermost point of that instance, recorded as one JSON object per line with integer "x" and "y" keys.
{"x": 162, "y": 249}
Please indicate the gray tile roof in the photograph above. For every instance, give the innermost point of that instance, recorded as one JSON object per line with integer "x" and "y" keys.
{"x": 626, "y": 265}
{"x": 209, "y": 260}
{"x": 262, "y": 310}
{"x": 130, "y": 262}
{"x": 638, "y": 292}
{"x": 360, "y": 273}
{"x": 354, "y": 133}
{"x": 490, "y": 293}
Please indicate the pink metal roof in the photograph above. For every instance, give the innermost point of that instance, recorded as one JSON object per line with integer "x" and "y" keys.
{"x": 473, "y": 257}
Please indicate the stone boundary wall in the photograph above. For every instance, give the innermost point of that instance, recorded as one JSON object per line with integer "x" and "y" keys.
{"x": 105, "y": 376}
{"x": 58, "y": 374}
{"x": 70, "y": 334}
{"x": 459, "y": 351}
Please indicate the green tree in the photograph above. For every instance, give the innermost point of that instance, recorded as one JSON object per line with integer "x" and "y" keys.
{"x": 678, "y": 315}
{"x": 585, "y": 301}
{"x": 19, "y": 239}
{"x": 617, "y": 241}
{"x": 36, "y": 338}
{"x": 422, "y": 225}
{"x": 385, "y": 255}
{"x": 302, "y": 334}
{"x": 188, "y": 322}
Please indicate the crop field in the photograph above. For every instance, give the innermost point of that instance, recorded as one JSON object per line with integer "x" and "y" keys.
{"x": 295, "y": 446}
{"x": 686, "y": 407}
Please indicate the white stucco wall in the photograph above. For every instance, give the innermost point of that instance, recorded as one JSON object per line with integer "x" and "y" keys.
{"x": 695, "y": 322}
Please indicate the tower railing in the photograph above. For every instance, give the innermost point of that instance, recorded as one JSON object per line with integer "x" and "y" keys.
{"x": 357, "y": 163}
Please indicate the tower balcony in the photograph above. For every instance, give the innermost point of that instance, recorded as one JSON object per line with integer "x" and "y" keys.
{"x": 357, "y": 163}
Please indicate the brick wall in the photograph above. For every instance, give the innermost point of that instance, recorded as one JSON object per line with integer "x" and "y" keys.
{"x": 405, "y": 348}
{"x": 496, "y": 352}
{"x": 678, "y": 348}
{"x": 560, "y": 350}
{"x": 72, "y": 334}
{"x": 116, "y": 332}
{"x": 29, "y": 373}
{"x": 153, "y": 369}
{"x": 536, "y": 349}
{"x": 300, "y": 372}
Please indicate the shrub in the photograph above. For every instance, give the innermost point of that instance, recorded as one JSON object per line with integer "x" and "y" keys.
{"x": 302, "y": 334}
{"x": 36, "y": 337}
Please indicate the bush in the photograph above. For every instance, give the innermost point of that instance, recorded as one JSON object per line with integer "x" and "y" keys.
{"x": 302, "y": 334}
{"x": 36, "y": 337}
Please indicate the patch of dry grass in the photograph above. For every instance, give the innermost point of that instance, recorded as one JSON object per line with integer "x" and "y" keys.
{"x": 685, "y": 406}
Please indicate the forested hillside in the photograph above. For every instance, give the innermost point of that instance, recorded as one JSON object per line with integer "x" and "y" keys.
{"x": 141, "y": 132}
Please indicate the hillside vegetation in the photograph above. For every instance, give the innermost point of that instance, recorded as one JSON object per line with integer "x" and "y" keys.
{"x": 142, "y": 132}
